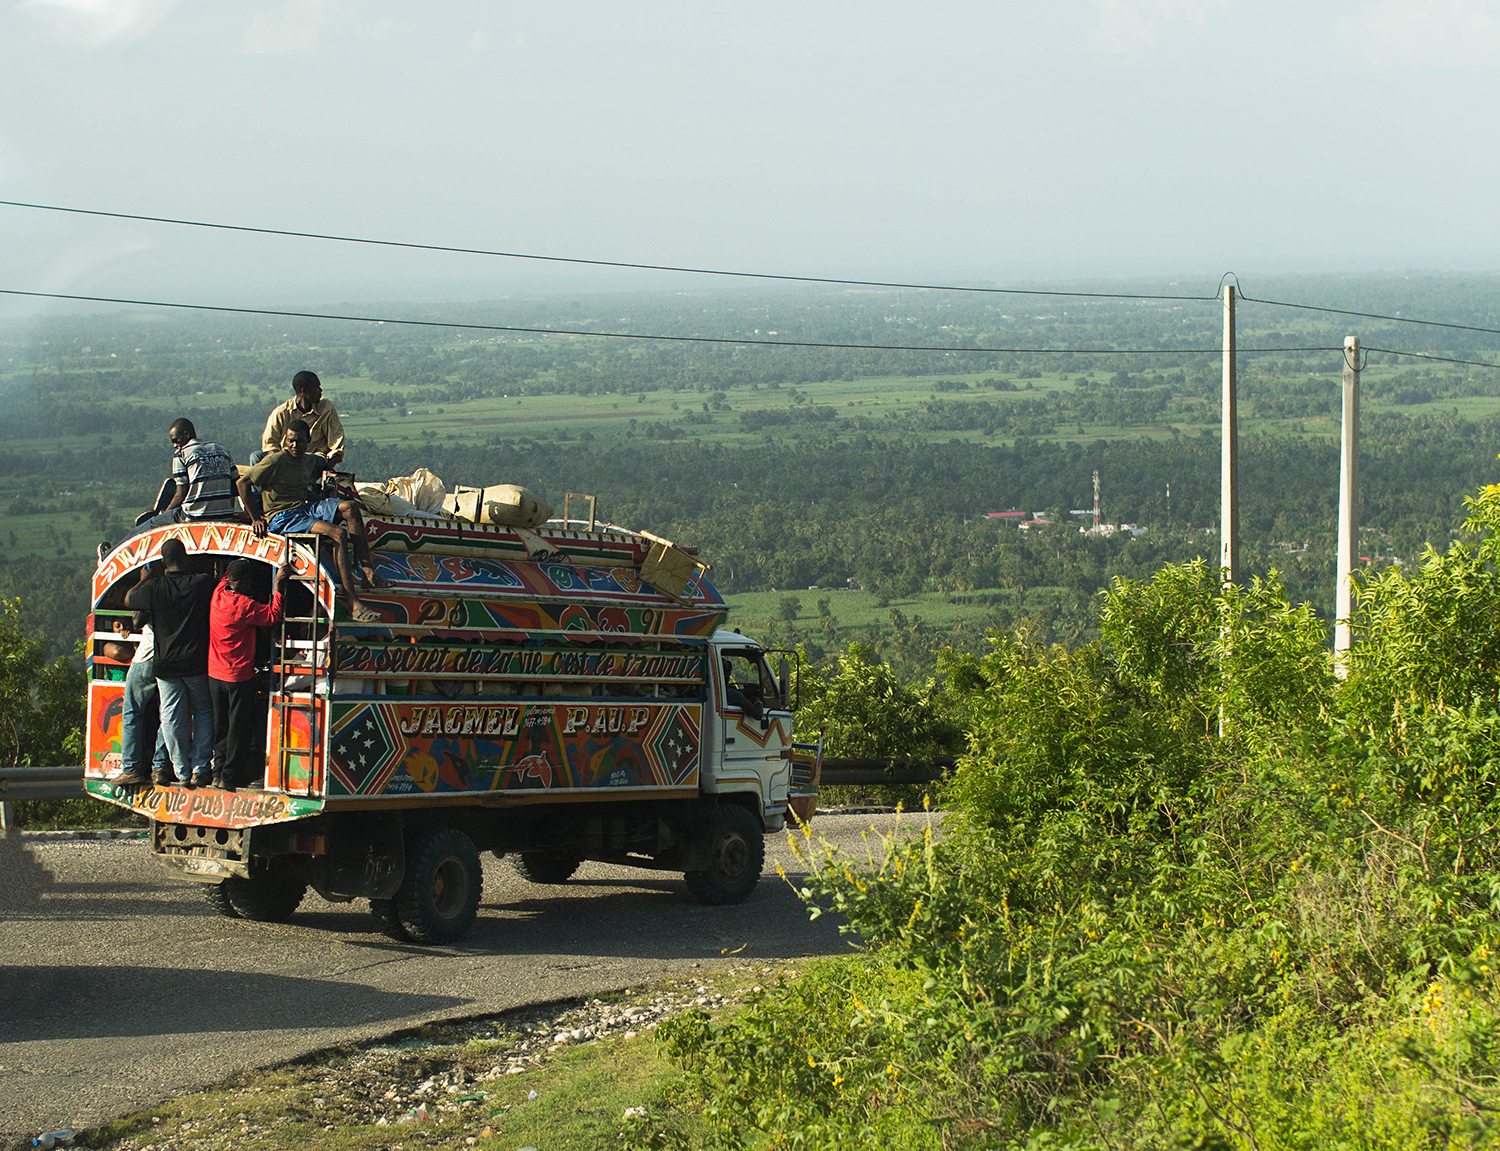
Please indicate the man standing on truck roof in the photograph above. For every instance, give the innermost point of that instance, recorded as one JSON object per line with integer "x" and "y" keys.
{"x": 325, "y": 431}
{"x": 281, "y": 506}
{"x": 178, "y": 600}
{"x": 233, "y": 619}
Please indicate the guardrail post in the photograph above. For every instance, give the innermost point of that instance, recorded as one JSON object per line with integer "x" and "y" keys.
{"x": 5, "y": 815}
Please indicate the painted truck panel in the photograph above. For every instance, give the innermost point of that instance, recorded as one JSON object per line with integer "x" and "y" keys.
{"x": 582, "y": 749}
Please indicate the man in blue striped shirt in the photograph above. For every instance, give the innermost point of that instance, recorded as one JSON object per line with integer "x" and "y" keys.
{"x": 204, "y": 474}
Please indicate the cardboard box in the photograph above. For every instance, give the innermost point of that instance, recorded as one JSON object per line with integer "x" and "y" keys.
{"x": 670, "y": 569}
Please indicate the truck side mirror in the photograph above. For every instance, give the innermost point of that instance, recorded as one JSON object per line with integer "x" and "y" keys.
{"x": 783, "y": 677}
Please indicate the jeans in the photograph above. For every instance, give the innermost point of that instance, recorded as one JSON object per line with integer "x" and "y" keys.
{"x": 160, "y": 520}
{"x": 187, "y": 724}
{"x": 140, "y": 721}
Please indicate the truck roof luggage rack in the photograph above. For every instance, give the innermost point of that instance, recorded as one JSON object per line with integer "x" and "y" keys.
{"x": 585, "y": 501}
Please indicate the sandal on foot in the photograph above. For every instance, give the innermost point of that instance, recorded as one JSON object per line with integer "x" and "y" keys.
{"x": 361, "y": 613}
{"x": 370, "y": 578}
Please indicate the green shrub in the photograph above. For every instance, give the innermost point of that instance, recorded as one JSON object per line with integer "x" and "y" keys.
{"x": 1191, "y": 891}
{"x": 831, "y": 1059}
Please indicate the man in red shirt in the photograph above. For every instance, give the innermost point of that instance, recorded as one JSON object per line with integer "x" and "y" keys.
{"x": 233, "y": 617}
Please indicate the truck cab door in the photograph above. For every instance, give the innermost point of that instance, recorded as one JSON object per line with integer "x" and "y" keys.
{"x": 754, "y": 726}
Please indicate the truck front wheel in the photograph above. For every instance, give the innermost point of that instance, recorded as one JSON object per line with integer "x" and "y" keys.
{"x": 737, "y": 852}
{"x": 439, "y": 894}
{"x": 270, "y": 896}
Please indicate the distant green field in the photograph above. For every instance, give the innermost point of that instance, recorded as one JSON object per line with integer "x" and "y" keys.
{"x": 385, "y": 414}
{"x": 87, "y": 401}
{"x": 567, "y": 416}
{"x": 757, "y": 613}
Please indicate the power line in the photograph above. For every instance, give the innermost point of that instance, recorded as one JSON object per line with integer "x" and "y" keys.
{"x": 457, "y": 324}
{"x": 725, "y": 272}
{"x": 701, "y": 271}
{"x": 1429, "y": 356}
{"x": 1373, "y": 316}
{"x": 466, "y": 251}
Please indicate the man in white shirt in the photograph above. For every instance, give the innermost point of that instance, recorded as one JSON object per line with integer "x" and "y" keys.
{"x": 140, "y": 726}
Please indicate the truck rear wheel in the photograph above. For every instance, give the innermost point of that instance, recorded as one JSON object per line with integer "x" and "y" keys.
{"x": 439, "y": 894}
{"x": 542, "y": 867}
{"x": 737, "y": 852}
{"x": 218, "y": 899}
{"x": 269, "y": 897}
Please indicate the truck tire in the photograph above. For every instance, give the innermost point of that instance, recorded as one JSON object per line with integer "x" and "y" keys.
{"x": 439, "y": 894}
{"x": 218, "y": 899}
{"x": 542, "y": 867}
{"x": 265, "y": 898}
{"x": 737, "y": 852}
{"x": 384, "y": 911}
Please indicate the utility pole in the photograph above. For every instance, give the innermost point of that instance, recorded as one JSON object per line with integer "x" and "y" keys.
{"x": 1229, "y": 472}
{"x": 1348, "y": 546}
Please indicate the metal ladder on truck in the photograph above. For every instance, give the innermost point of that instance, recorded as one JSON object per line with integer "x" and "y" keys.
{"x": 302, "y": 671}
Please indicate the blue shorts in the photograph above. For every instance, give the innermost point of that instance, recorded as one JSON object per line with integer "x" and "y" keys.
{"x": 302, "y": 517}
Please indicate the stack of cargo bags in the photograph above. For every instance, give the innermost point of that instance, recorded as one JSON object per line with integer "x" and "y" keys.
{"x": 424, "y": 496}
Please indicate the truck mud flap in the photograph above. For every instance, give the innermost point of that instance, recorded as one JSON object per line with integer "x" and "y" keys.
{"x": 365, "y": 858}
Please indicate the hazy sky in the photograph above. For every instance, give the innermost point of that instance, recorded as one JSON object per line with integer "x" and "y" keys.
{"x": 998, "y": 141}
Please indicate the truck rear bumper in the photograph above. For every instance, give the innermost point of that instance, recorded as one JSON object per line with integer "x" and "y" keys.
{"x": 206, "y": 854}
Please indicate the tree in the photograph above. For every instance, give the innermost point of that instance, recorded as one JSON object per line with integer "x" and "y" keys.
{"x": 865, "y": 710}
{"x": 41, "y": 703}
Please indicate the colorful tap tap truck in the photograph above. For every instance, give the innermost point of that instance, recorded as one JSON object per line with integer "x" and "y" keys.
{"x": 556, "y": 694}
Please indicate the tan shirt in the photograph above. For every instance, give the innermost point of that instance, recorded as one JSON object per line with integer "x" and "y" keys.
{"x": 322, "y": 422}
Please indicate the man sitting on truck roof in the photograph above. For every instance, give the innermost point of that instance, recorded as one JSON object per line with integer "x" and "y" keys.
{"x": 275, "y": 492}
{"x": 324, "y": 429}
{"x": 203, "y": 472}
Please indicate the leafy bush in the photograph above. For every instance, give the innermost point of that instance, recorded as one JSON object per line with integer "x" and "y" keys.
{"x": 1192, "y": 891}
{"x": 864, "y": 710}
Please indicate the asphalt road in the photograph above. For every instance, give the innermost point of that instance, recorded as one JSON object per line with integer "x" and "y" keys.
{"x": 119, "y": 987}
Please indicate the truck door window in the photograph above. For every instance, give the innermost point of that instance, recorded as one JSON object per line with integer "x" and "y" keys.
{"x": 748, "y": 683}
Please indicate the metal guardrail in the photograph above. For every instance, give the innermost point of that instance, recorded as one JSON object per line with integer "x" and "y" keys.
{"x": 21, "y": 783}
{"x": 18, "y": 783}
{"x": 856, "y": 772}
{"x": 41, "y": 783}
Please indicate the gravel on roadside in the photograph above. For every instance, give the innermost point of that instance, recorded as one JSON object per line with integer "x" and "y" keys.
{"x": 424, "y": 1074}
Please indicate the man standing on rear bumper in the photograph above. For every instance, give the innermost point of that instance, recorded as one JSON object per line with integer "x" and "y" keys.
{"x": 232, "y": 622}
{"x": 177, "y": 600}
